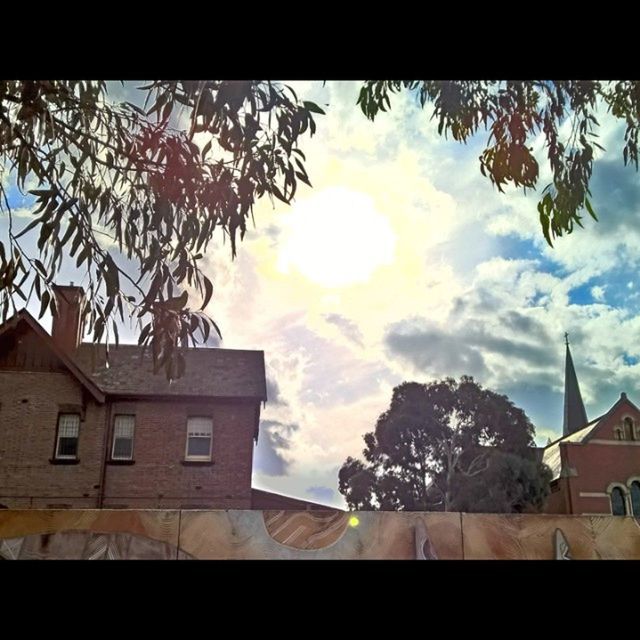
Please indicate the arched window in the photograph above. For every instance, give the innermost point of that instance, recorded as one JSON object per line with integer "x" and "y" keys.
{"x": 635, "y": 498}
{"x": 617, "y": 433}
{"x": 628, "y": 429}
{"x": 618, "y": 506}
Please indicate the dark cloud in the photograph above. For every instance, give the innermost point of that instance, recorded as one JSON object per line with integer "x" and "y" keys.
{"x": 272, "y": 441}
{"x": 432, "y": 350}
{"x": 525, "y": 324}
{"x": 479, "y": 301}
{"x": 348, "y": 328}
{"x": 616, "y": 197}
{"x": 461, "y": 350}
{"x": 324, "y": 494}
{"x": 606, "y": 387}
{"x": 536, "y": 354}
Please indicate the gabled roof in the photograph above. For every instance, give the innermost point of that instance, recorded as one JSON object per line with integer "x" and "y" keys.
{"x": 74, "y": 369}
{"x": 551, "y": 455}
{"x": 210, "y": 372}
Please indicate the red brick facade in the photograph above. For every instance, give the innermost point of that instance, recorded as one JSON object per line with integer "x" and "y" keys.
{"x": 39, "y": 381}
{"x": 29, "y": 405}
{"x": 159, "y": 477}
{"x": 600, "y": 457}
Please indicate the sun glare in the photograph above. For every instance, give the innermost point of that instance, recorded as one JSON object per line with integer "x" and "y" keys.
{"x": 336, "y": 238}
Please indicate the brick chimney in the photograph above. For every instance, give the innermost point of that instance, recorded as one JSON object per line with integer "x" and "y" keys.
{"x": 68, "y": 326}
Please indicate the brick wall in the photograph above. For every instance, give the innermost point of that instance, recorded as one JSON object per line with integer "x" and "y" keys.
{"x": 596, "y": 464}
{"x": 160, "y": 478}
{"x": 29, "y": 407}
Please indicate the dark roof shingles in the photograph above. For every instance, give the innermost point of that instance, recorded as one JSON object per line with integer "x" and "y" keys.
{"x": 210, "y": 372}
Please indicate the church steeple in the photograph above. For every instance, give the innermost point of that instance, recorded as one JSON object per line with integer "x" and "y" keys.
{"x": 575, "y": 415}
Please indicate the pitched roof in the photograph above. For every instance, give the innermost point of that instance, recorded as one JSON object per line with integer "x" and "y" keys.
{"x": 85, "y": 380}
{"x": 551, "y": 456}
{"x": 210, "y": 372}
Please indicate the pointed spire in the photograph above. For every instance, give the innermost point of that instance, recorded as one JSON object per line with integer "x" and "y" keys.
{"x": 575, "y": 416}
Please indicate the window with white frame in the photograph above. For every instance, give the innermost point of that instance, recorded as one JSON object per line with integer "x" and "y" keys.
{"x": 199, "y": 430}
{"x": 123, "y": 429}
{"x": 67, "y": 438}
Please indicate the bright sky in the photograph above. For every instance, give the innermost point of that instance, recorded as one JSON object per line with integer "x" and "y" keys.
{"x": 403, "y": 263}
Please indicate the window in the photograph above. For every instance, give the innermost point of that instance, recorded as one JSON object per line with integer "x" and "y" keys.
{"x": 635, "y": 498}
{"x": 618, "y": 506}
{"x": 199, "y": 438}
{"x": 628, "y": 429}
{"x": 617, "y": 434}
{"x": 67, "y": 439}
{"x": 123, "y": 428}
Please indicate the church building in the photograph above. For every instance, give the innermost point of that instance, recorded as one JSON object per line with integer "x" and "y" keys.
{"x": 596, "y": 463}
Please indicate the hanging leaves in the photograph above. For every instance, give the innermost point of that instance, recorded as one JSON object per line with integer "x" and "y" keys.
{"x": 515, "y": 113}
{"x": 155, "y": 182}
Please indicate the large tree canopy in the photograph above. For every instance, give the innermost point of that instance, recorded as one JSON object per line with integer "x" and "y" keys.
{"x": 116, "y": 182}
{"x": 514, "y": 113}
{"x": 447, "y": 445}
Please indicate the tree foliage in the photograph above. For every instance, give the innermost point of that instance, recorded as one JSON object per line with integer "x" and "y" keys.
{"x": 447, "y": 445}
{"x": 514, "y": 113}
{"x": 150, "y": 184}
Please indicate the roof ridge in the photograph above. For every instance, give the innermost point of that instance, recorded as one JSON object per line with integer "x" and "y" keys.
{"x": 194, "y": 349}
{"x": 576, "y": 431}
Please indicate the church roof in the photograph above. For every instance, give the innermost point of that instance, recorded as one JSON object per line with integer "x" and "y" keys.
{"x": 551, "y": 455}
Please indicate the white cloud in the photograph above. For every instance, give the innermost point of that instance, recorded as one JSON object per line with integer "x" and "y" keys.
{"x": 597, "y": 293}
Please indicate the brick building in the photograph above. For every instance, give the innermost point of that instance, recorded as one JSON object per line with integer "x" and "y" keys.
{"x": 595, "y": 464}
{"x": 76, "y": 432}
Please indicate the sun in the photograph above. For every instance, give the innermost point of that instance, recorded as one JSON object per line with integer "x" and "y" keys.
{"x": 336, "y": 238}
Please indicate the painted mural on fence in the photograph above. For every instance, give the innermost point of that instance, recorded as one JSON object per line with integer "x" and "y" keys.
{"x": 177, "y": 535}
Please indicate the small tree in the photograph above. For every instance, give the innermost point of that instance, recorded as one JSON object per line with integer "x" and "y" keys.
{"x": 441, "y": 445}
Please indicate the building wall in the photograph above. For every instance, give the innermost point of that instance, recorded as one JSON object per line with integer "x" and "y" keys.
{"x": 160, "y": 477}
{"x": 597, "y": 463}
{"x": 29, "y": 405}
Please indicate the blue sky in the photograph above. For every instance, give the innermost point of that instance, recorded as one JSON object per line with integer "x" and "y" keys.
{"x": 404, "y": 263}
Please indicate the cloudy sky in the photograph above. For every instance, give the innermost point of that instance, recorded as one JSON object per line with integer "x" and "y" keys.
{"x": 404, "y": 263}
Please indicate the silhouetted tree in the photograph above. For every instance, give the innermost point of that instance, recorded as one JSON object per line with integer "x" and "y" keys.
{"x": 447, "y": 445}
